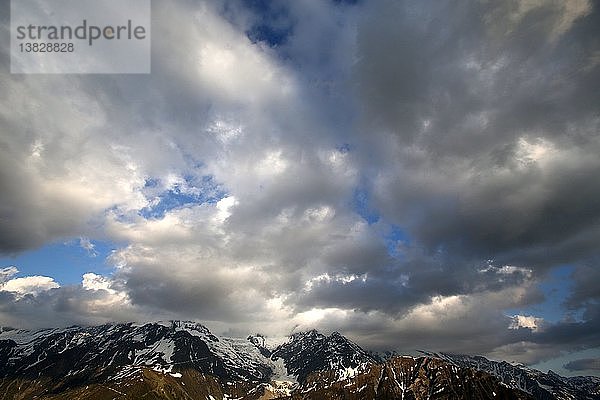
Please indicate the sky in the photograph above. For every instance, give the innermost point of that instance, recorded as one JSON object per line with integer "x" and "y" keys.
{"x": 414, "y": 175}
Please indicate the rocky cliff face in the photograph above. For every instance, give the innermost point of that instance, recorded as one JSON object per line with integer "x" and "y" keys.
{"x": 184, "y": 360}
{"x": 311, "y": 351}
{"x": 409, "y": 378}
{"x": 544, "y": 386}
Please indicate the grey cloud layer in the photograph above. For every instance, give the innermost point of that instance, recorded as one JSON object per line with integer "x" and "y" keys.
{"x": 496, "y": 123}
{"x": 584, "y": 364}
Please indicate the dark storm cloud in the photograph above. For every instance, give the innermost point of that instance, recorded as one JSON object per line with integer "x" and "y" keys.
{"x": 585, "y": 290}
{"x": 468, "y": 91}
{"x": 446, "y": 62}
{"x": 395, "y": 287}
{"x": 584, "y": 364}
{"x": 192, "y": 291}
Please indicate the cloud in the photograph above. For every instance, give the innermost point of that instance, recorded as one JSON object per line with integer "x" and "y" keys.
{"x": 584, "y": 364}
{"x": 35, "y": 302}
{"x": 88, "y": 246}
{"x": 29, "y": 285}
{"x": 473, "y": 136}
{"x": 526, "y": 321}
{"x": 93, "y": 281}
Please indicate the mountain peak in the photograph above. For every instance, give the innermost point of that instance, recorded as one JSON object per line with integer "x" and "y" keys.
{"x": 312, "y": 334}
{"x": 311, "y": 351}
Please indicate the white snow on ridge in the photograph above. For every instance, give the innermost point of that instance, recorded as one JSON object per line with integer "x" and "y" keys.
{"x": 161, "y": 350}
{"x": 237, "y": 353}
{"x": 21, "y": 336}
{"x": 26, "y": 339}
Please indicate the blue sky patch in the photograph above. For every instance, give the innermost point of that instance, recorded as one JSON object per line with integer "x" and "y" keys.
{"x": 191, "y": 191}
{"x": 556, "y": 288}
{"x": 361, "y": 204}
{"x": 66, "y": 262}
{"x": 394, "y": 237}
{"x": 273, "y": 25}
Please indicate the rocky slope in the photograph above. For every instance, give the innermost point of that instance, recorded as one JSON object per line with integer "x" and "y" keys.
{"x": 408, "y": 378}
{"x": 311, "y": 351}
{"x": 542, "y": 385}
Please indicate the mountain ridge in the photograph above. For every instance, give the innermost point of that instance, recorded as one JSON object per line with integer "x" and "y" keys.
{"x": 542, "y": 385}
{"x": 172, "y": 359}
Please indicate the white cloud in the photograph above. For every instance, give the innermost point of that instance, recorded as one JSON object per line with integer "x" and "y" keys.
{"x": 108, "y": 299}
{"x": 93, "y": 281}
{"x": 338, "y": 278}
{"x": 526, "y": 321}
{"x": 88, "y": 246}
{"x": 29, "y": 285}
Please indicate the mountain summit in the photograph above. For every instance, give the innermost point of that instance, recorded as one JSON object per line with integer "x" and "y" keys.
{"x": 184, "y": 360}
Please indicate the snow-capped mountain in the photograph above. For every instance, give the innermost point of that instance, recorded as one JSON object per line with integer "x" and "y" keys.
{"x": 311, "y": 351}
{"x": 96, "y": 352}
{"x": 184, "y": 360}
{"x": 541, "y": 385}
{"x": 410, "y": 378}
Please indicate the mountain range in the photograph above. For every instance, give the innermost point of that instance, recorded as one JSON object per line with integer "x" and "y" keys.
{"x": 183, "y": 360}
